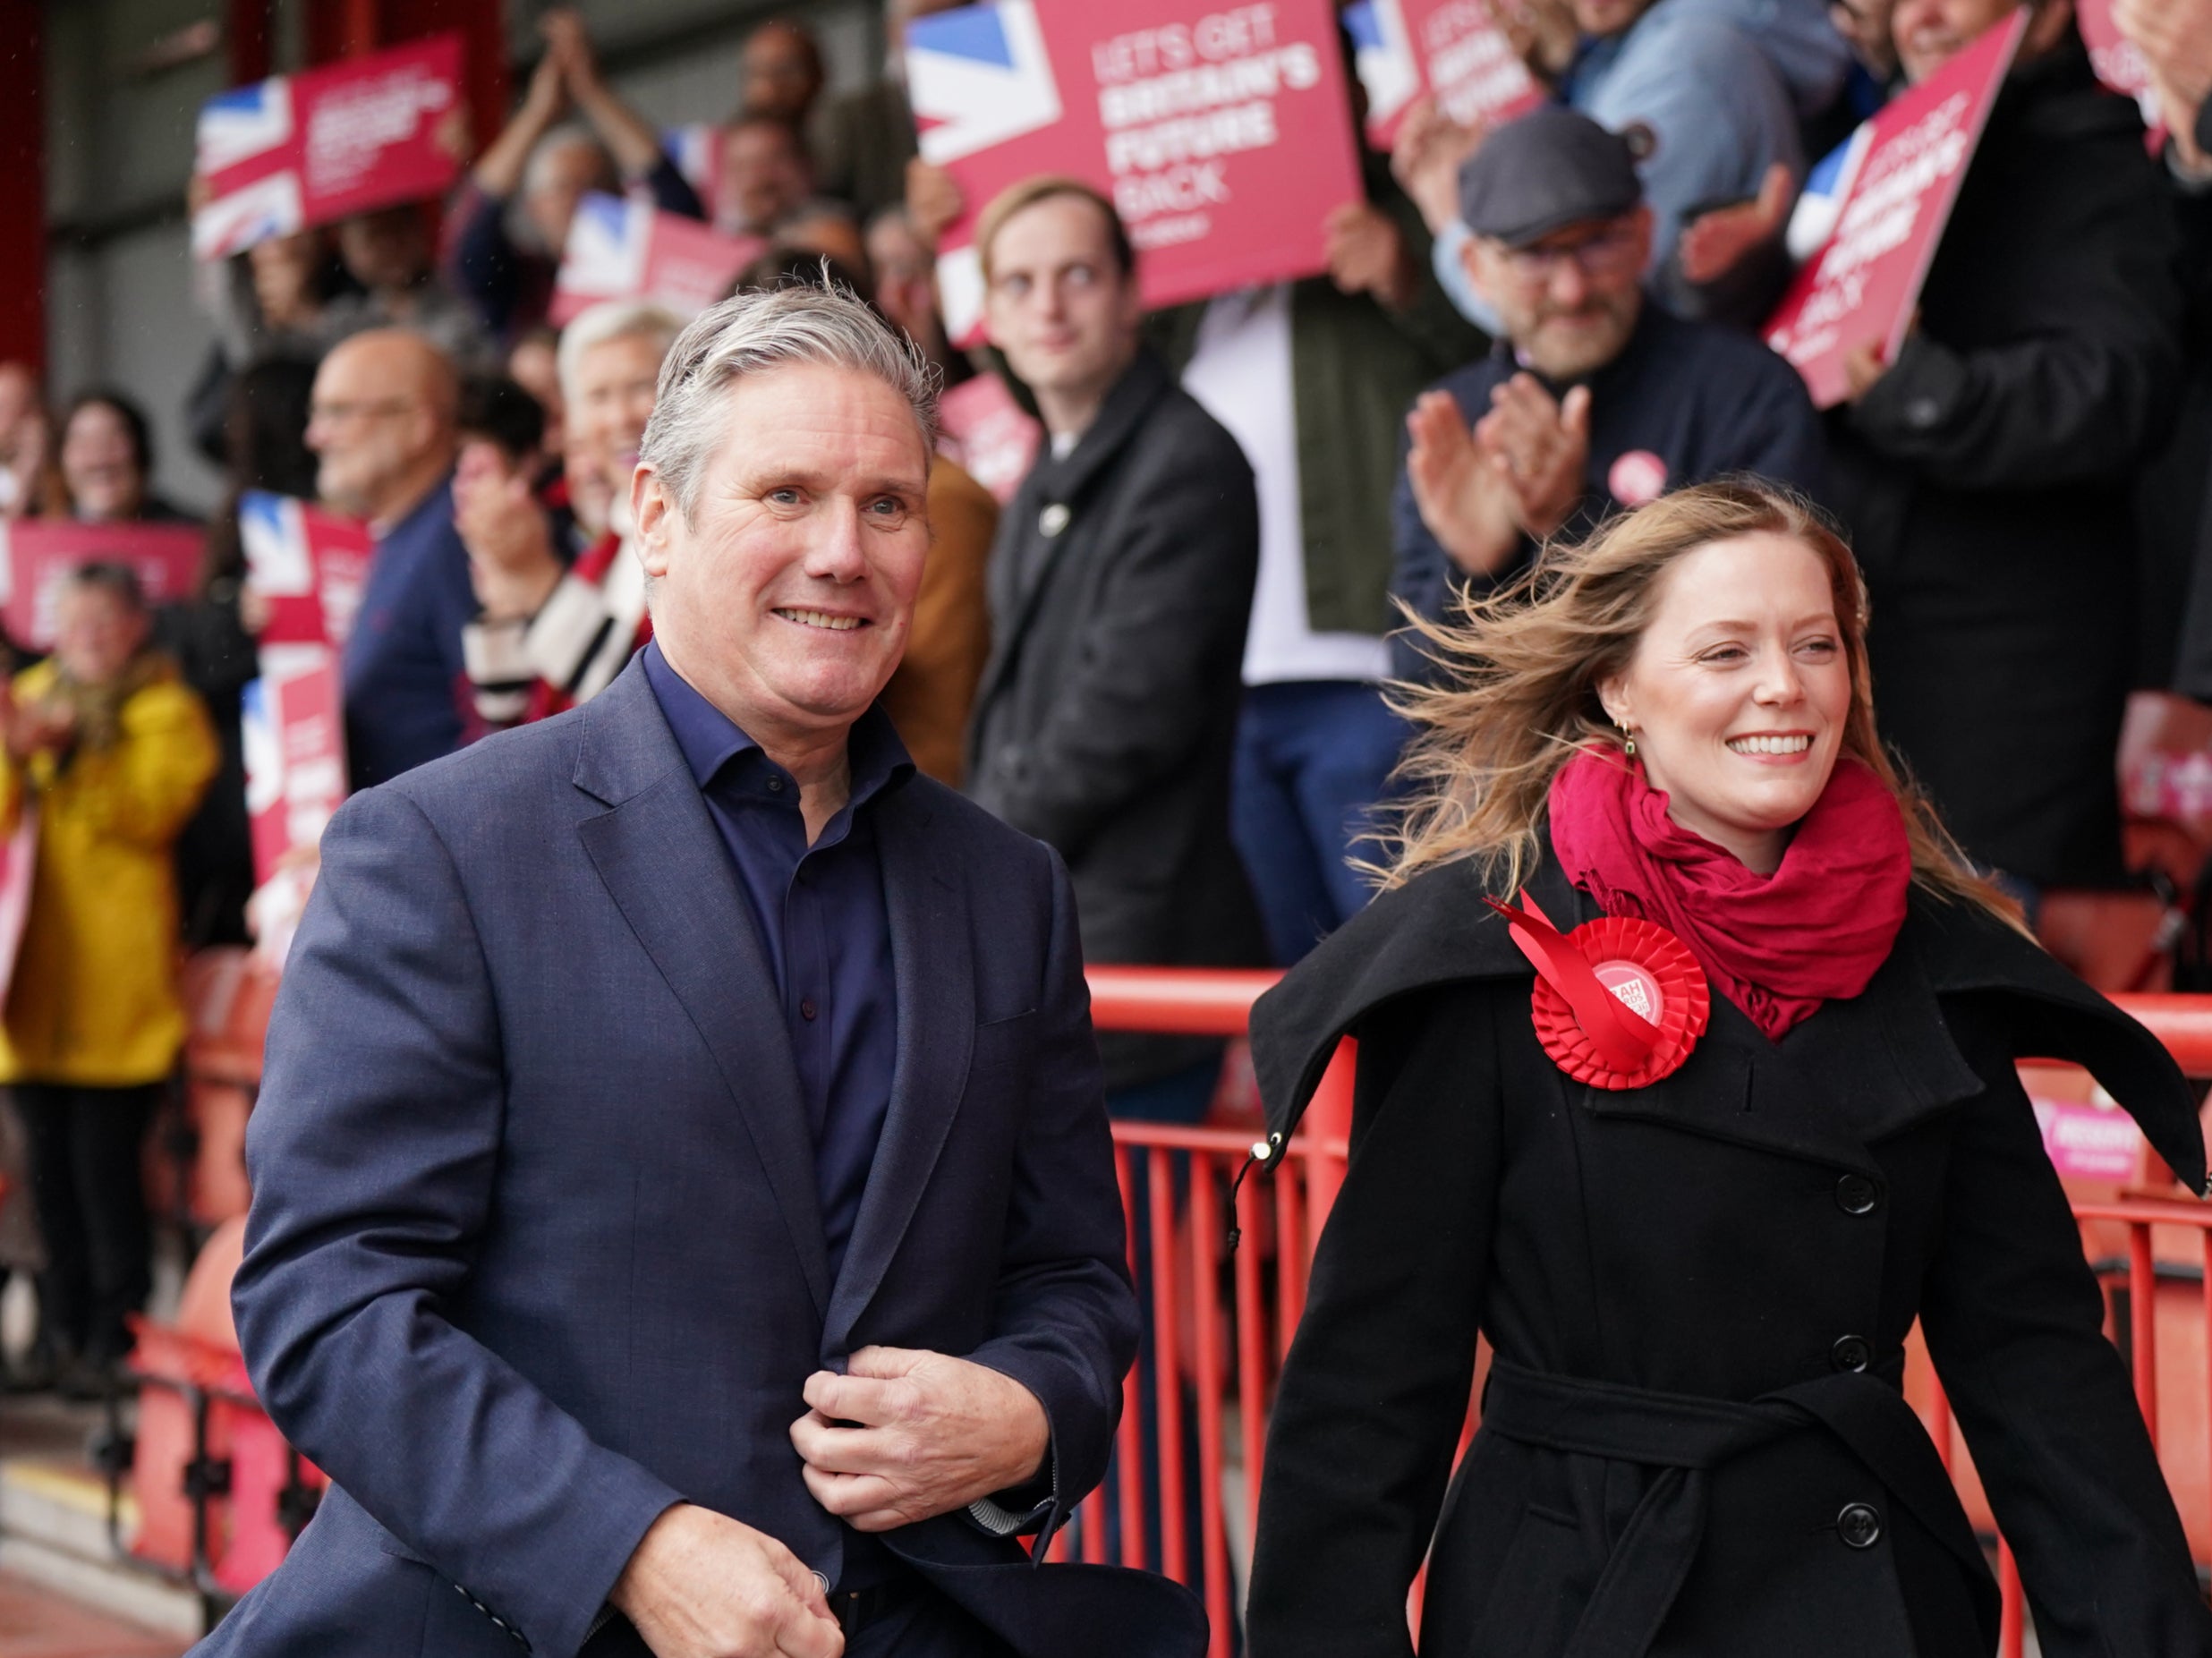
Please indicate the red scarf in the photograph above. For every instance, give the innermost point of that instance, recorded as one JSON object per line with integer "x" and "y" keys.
{"x": 1778, "y": 944}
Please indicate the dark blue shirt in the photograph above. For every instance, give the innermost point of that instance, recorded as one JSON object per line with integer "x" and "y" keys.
{"x": 403, "y": 665}
{"x": 1684, "y": 403}
{"x": 822, "y": 921}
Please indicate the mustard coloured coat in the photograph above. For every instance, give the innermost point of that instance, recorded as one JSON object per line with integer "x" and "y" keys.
{"x": 94, "y": 999}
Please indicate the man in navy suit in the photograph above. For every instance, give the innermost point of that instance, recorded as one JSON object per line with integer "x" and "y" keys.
{"x": 684, "y": 1217}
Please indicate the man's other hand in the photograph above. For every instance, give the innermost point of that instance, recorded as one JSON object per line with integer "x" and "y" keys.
{"x": 933, "y": 1434}
{"x": 1426, "y": 158}
{"x": 1462, "y": 494}
{"x": 1367, "y": 254}
{"x": 703, "y": 1586}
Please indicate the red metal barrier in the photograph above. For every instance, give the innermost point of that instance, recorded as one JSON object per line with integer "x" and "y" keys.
{"x": 1220, "y": 1340}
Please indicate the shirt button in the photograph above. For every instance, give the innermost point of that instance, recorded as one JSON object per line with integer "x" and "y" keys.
{"x": 775, "y": 785}
{"x": 1855, "y": 1195}
{"x": 1851, "y": 1353}
{"x": 806, "y": 1008}
{"x": 1859, "y": 1526}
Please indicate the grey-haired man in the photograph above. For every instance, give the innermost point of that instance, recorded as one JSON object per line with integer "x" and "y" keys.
{"x": 683, "y": 1214}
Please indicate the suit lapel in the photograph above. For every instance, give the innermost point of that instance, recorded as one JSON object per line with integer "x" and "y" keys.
{"x": 664, "y": 865}
{"x": 935, "y": 987}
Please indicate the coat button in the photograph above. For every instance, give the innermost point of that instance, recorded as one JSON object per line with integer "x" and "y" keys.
{"x": 1855, "y": 1195}
{"x": 1851, "y": 1353}
{"x": 1859, "y": 1526}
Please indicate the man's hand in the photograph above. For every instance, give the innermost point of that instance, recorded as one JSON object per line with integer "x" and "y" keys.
{"x": 1715, "y": 242}
{"x": 2175, "y": 39}
{"x": 568, "y": 45}
{"x": 1463, "y": 493}
{"x": 1426, "y": 159}
{"x": 702, "y": 1586}
{"x": 1545, "y": 446}
{"x": 1864, "y": 366}
{"x": 933, "y": 201}
{"x": 510, "y": 560}
{"x": 1367, "y": 254}
{"x": 934, "y": 1434}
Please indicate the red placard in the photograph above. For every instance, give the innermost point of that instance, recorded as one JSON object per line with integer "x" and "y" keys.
{"x": 294, "y": 738}
{"x": 19, "y": 861}
{"x": 620, "y": 248}
{"x": 317, "y": 146}
{"x": 37, "y": 553}
{"x": 1863, "y": 285}
{"x": 2118, "y": 61}
{"x": 311, "y": 566}
{"x": 1223, "y": 134}
{"x": 984, "y": 430}
{"x": 1452, "y": 50}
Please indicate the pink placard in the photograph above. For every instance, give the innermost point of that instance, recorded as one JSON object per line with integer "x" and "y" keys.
{"x": 621, "y": 249}
{"x": 1223, "y": 134}
{"x": 18, "y": 859}
{"x": 295, "y": 751}
{"x": 320, "y": 145}
{"x": 984, "y": 430}
{"x": 1452, "y": 50}
{"x": 1862, "y": 286}
{"x": 36, "y": 553}
{"x": 2117, "y": 60}
{"x": 311, "y": 566}
{"x": 2087, "y": 1143}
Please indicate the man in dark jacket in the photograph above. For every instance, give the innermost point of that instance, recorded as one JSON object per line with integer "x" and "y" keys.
{"x": 1985, "y": 473}
{"x": 1595, "y": 399}
{"x": 1119, "y": 584}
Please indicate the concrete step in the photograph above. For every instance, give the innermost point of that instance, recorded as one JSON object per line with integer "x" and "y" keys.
{"x": 53, "y": 1530}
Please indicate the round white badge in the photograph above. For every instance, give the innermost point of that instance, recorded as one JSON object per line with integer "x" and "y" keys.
{"x": 1052, "y": 520}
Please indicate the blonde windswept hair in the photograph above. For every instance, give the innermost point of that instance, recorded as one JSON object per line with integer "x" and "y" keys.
{"x": 1519, "y": 692}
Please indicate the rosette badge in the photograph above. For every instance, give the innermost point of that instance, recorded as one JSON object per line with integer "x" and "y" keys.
{"x": 1618, "y": 1003}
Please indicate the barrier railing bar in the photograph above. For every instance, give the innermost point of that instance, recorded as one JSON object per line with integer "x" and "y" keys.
{"x": 1206, "y": 1304}
{"x": 1128, "y": 1445}
{"x": 1252, "y": 1352}
{"x": 2143, "y": 1325}
{"x": 1167, "y": 1372}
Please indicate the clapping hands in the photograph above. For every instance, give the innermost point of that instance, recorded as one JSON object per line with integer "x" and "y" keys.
{"x": 1517, "y": 471}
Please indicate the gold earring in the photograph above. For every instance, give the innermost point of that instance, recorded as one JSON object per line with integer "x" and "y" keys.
{"x": 1628, "y": 734}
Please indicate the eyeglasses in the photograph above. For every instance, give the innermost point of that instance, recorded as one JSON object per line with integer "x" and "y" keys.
{"x": 335, "y": 413}
{"x": 1608, "y": 252}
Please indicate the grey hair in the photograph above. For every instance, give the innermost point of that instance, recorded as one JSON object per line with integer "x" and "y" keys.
{"x": 612, "y": 319}
{"x": 754, "y": 332}
{"x": 568, "y": 135}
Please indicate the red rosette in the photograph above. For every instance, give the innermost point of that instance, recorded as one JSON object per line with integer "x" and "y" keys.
{"x": 1653, "y": 974}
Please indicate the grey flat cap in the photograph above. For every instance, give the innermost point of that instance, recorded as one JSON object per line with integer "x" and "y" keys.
{"x": 1553, "y": 167}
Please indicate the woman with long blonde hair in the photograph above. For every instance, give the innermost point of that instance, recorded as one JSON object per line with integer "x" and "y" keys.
{"x": 1686, "y": 1077}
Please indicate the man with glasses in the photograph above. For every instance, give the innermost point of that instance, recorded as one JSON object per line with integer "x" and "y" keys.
{"x": 381, "y": 423}
{"x": 1594, "y": 397}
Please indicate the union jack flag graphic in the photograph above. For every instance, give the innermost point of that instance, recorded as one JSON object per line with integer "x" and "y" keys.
{"x": 977, "y": 76}
{"x": 245, "y": 139}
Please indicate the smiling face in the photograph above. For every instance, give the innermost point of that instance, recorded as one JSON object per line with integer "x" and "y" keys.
{"x": 615, "y": 381}
{"x": 786, "y": 596}
{"x": 100, "y": 466}
{"x": 1739, "y": 692}
{"x": 96, "y": 634}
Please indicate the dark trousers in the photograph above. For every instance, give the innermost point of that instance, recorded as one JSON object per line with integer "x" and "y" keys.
{"x": 86, "y": 1179}
{"x": 1313, "y": 760}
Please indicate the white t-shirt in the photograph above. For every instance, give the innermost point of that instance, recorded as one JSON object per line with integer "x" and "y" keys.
{"x": 1240, "y": 373}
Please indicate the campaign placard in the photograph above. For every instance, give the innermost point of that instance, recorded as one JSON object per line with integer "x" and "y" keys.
{"x": 1222, "y": 134}
{"x": 294, "y": 731}
{"x": 1451, "y": 49}
{"x": 985, "y": 431}
{"x": 2118, "y": 61}
{"x": 1863, "y": 285}
{"x": 310, "y": 148}
{"x": 19, "y": 860}
{"x": 621, "y": 249}
{"x": 2090, "y": 1141}
{"x": 36, "y": 553}
{"x": 311, "y": 566}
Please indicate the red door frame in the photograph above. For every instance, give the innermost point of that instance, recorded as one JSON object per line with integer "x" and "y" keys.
{"x": 22, "y": 204}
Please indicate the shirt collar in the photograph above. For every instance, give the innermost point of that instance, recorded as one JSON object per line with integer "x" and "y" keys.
{"x": 709, "y": 739}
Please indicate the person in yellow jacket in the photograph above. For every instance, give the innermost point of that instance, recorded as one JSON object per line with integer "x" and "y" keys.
{"x": 111, "y": 749}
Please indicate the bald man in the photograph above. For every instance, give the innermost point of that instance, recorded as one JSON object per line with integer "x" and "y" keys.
{"x": 381, "y": 425}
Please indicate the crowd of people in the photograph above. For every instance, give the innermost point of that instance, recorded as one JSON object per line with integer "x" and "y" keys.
{"x": 1165, "y": 647}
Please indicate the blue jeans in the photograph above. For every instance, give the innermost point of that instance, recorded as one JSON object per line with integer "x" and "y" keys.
{"x": 1313, "y": 762}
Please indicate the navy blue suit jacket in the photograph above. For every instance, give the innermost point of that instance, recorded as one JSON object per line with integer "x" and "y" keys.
{"x": 535, "y": 1248}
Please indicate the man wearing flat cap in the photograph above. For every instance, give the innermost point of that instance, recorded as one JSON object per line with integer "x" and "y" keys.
{"x": 1595, "y": 398}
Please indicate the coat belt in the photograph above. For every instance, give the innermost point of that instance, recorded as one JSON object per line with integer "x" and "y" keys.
{"x": 1686, "y": 1437}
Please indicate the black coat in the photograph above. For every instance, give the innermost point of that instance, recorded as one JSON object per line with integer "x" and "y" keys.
{"x": 1120, "y": 583}
{"x": 1680, "y": 1453}
{"x": 1986, "y": 477}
